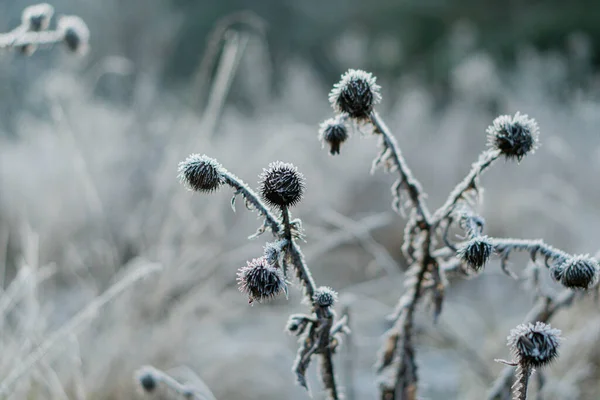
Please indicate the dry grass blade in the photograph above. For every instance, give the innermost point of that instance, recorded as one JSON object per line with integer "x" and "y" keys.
{"x": 74, "y": 324}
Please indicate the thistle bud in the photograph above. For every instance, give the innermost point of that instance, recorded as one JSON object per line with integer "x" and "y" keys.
{"x": 515, "y": 136}
{"x": 201, "y": 173}
{"x": 324, "y": 297}
{"x": 261, "y": 280}
{"x": 147, "y": 379}
{"x": 37, "y": 18}
{"x": 356, "y": 94}
{"x": 281, "y": 185}
{"x": 578, "y": 272}
{"x": 75, "y": 33}
{"x": 297, "y": 324}
{"x": 476, "y": 252}
{"x": 333, "y": 132}
{"x": 534, "y": 345}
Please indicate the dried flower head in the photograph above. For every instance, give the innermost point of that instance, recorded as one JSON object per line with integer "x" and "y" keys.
{"x": 75, "y": 33}
{"x": 147, "y": 379}
{"x": 356, "y": 94}
{"x": 513, "y": 136}
{"x": 476, "y": 252}
{"x": 534, "y": 345}
{"x": 324, "y": 296}
{"x": 281, "y": 184}
{"x": 333, "y": 132}
{"x": 201, "y": 173}
{"x": 261, "y": 280}
{"x": 37, "y": 18}
{"x": 578, "y": 272}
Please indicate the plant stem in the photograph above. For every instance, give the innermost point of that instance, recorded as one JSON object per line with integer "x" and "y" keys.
{"x": 407, "y": 178}
{"x": 253, "y": 199}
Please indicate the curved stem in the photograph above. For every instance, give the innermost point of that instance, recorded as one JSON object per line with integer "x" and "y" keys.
{"x": 297, "y": 258}
{"x": 10, "y": 40}
{"x": 254, "y": 200}
{"x": 520, "y": 386}
{"x": 407, "y": 178}
{"x": 486, "y": 159}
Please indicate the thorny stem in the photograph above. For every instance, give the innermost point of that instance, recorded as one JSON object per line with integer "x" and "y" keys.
{"x": 505, "y": 246}
{"x": 542, "y": 311}
{"x": 327, "y": 371}
{"x": 253, "y": 199}
{"x": 407, "y": 179}
{"x": 520, "y": 386}
{"x": 318, "y": 340}
{"x": 486, "y": 159}
{"x": 402, "y": 333}
{"x": 297, "y": 258}
{"x": 11, "y": 39}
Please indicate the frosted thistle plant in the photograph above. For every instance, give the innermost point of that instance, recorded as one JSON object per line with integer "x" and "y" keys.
{"x": 281, "y": 186}
{"x": 75, "y": 34}
{"x": 355, "y": 95}
{"x": 35, "y": 31}
{"x": 37, "y": 18}
{"x": 333, "y": 132}
{"x": 476, "y": 252}
{"x": 201, "y": 173}
{"x": 577, "y": 272}
{"x": 261, "y": 280}
{"x": 324, "y": 297}
{"x": 429, "y": 250}
{"x": 533, "y": 346}
{"x": 515, "y": 136}
{"x": 156, "y": 384}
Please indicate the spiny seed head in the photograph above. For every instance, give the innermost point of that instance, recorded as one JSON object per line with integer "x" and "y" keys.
{"x": 261, "y": 280}
{"x": 201, "y": 173}
{"x": 534, "y": 345}
{"x": 476, "y": 252}
{"x": 578, "y": 272}
{"x": 37, "y": 18}
{"x": 333, "y": 132}
{"x": 356, "y": 94}
{"x": 324, "y": 296}
{"x": 75, "y": 33}
{"x": 281, "y": 185}
{"x": 514, "y": 136}
{"x": 147, "y": 379}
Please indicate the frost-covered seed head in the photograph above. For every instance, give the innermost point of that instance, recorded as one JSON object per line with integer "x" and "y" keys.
{"x": 333, "y": 132}
{"x": 324, "y": 296}
{"x": 75, "y": 33}
{"x": 261, "y": 280}
{"x": 514, "y": 136}
{"x": 281, "y": 185}
{"x": 476, "y": 252}
{"x": 356, "y": 94}
{"x": 147, "y": 379}
{"x": 37, "y": 18}
{"x": 578, "y": 272}
{"x": 534, "y": 345}
{"x": 201, "y": 173}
